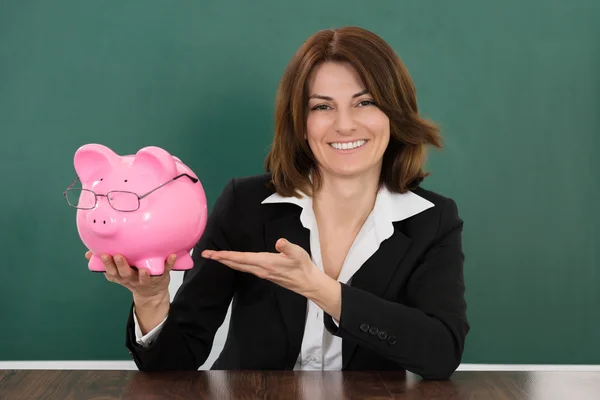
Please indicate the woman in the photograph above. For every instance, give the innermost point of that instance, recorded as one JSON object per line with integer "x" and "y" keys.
{"x": 336, "y": 258}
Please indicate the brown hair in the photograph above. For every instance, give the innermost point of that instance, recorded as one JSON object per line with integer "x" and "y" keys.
{"x": 290, "y": 159}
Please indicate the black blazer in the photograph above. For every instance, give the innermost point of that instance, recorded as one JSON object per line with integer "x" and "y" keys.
{"x": 404, "y": 309}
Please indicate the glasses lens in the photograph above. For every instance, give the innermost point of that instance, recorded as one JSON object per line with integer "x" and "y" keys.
{"x": 123, "y": 201}
{"x": 81, "y": 198}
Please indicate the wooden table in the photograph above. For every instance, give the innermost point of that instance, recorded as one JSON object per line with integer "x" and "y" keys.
{"x": 105, "y": 385}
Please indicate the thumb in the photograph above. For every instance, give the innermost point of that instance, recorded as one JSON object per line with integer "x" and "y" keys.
{"x": 289, "y": 249}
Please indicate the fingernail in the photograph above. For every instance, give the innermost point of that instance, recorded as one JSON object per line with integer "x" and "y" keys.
{"x": 104, "y": 257}
{"x": 117, "y": 259}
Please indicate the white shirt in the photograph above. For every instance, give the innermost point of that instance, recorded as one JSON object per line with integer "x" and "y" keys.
{"x": 320, "y": 349}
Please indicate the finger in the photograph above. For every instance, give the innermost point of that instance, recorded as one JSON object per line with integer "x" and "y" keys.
{"x": 249, "y": 258}
{"x": 125, "y": 271}
{"x": 289, "y": 249}
{"x": 88, "y": 255}
{"x": 143, "y": 277}
{"x": 208, "y": 253}
{"x": 170, "y": 262}
{"x": 253, "y": 269}
{"x": 109, "y": 266}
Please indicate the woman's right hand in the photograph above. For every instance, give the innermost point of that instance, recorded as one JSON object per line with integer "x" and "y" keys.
{"x": 143, "y": 286}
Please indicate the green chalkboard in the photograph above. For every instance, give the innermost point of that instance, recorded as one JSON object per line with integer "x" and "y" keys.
{"x": 514, "y": 85}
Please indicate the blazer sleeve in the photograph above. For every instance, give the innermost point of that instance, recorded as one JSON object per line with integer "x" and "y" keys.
{"x": 200, "y": 305}
{"x": 427, "y": 337}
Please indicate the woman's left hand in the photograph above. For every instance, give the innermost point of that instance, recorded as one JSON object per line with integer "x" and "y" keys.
{"x": 292, "y": 268}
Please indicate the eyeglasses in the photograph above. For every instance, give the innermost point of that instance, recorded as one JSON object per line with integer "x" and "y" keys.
{"x": 120, "y": 200}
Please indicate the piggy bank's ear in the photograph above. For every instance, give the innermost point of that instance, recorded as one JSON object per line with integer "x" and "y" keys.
{"x": 93, "y": 160}
{"x": 157, "y": 160}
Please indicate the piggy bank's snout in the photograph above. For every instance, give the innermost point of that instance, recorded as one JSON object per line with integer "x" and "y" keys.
{"x": 102, "y": 224}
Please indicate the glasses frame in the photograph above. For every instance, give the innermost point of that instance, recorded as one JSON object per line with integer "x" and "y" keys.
{"x": 96, "y": 195}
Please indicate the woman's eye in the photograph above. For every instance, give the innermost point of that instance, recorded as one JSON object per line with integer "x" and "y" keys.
{"x": 367, "y": 103}
{"x": 320, "y": 107}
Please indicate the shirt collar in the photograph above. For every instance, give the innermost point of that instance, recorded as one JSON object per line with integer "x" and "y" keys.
{"x": 307, "y": 216}
{"x": 389, "y": 207}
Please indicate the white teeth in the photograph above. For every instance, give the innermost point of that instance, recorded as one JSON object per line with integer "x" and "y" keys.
{"x": 348, "y": 146}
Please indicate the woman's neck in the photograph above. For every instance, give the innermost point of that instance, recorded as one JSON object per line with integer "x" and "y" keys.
{"x": 345, "y": 203}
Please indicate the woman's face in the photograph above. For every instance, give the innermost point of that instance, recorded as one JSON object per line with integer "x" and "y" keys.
{"x": 346, "y": 131}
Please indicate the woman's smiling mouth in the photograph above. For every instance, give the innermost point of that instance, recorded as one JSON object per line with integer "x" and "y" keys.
{"x": 347, "y": 146}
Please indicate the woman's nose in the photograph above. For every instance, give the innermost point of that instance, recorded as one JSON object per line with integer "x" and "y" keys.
{"x": 344, "y": 122}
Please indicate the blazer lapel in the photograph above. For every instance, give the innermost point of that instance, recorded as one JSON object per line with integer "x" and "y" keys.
{"x": 376, "y": 274}
{"x": 292, "y": 305}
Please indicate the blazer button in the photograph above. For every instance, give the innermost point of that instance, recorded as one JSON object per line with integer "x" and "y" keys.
{"x": 382, "y": 335}
{"x": 364, "y": 327}
{"x": 392, "y": 340}
{"x": 373, "y": 330}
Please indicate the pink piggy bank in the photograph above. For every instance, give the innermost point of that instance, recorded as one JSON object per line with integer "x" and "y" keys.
{"x": 144, "y": 207}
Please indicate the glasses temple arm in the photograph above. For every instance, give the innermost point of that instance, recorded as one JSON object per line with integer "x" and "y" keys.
{"x": 169, "y": 181}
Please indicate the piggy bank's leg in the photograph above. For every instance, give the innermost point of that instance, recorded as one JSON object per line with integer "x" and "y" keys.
{"x": 183, "y": 262}
{"x": 156, "y": 266}
{"x": 95, "y": 264}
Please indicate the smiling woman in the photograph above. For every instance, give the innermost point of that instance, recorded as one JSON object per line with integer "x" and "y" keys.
{"x": 336, "y": 258}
